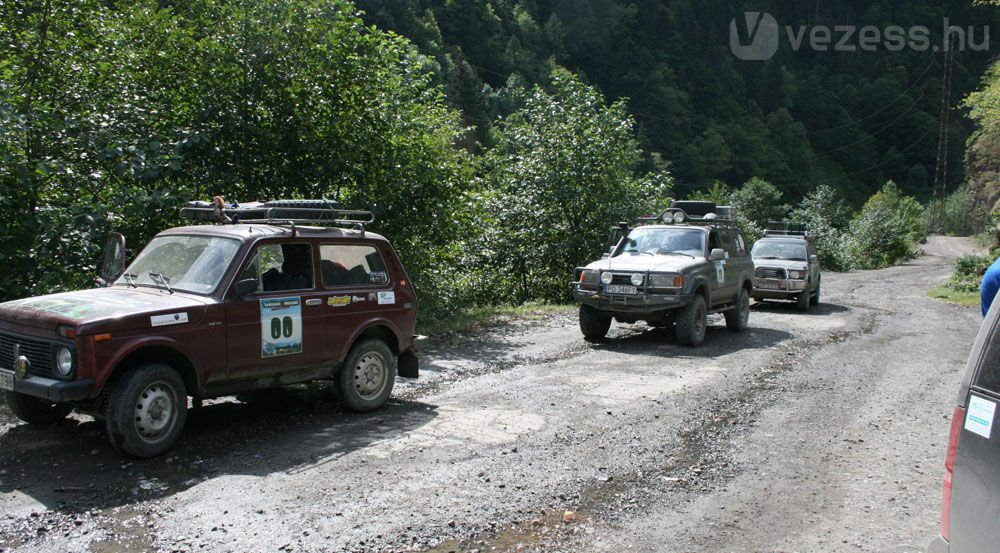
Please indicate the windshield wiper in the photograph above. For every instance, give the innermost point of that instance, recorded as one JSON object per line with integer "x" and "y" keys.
{"x": 130, "y": 279}
{"x": 165, "y": 281}
{"x": 676, "y": 253}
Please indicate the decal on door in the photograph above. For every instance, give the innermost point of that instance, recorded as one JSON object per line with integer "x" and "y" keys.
{"x": 979, "y": 419}
{"x": 720, "y": 272}
{"x": 170, "y": 319}
{"x": 280, "y": 326}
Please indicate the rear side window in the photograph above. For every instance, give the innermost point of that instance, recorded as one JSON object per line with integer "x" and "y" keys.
{"x": 352, "y": 265}
{"x": 989, "y": 371}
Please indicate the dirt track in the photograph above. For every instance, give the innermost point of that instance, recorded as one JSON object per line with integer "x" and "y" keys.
{"x": 822, "y": 431}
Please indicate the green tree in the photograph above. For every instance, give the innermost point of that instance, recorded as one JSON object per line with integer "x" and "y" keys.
{"x": 562, "y": 172}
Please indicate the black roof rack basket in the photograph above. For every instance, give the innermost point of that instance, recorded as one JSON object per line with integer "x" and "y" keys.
{"x": 786, "y": 228}
{"x": 278, "y": 212}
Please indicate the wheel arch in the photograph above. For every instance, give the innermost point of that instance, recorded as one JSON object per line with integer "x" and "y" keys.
{"x": 158, "y": 353}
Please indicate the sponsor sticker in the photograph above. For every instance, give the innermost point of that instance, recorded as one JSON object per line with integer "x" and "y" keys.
{"x": 338, "y": 301}
{"x": 979, "y": 419}
{"x": 280, "y": 326}
{"x": 169, "y": 319}
{"x": 386, "y": 298}
{"x": 357, "y": 299}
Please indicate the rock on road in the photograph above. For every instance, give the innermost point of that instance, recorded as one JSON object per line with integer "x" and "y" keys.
{"x": 818, "y": 431}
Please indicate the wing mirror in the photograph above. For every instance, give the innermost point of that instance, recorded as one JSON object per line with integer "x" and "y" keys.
{"x": 245, "y": 286}
{"x": 717, "y": 254}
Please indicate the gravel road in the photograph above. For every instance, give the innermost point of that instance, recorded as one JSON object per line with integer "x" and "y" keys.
{"x": 822, "y": 431}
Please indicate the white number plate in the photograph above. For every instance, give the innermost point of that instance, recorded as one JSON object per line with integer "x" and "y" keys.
{"x": 6, "y": 380}
{"x": 770, "y": 284}
{"x": 620, "y": 289}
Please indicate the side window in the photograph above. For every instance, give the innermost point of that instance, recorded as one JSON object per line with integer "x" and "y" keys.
{"x": 352, "y": 265}
{"x": 728, "y": 243}
{"x": 714, "y": 241}
{"x": 989, "y": 373}
{"x": 739, "y": 245}
{"x": 281, "y": 267}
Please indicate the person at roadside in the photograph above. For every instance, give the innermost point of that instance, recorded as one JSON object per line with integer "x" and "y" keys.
{"x": 990, "y": 285}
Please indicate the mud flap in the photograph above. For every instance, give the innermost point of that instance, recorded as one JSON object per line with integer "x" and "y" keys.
{"x": 408, "y": 365}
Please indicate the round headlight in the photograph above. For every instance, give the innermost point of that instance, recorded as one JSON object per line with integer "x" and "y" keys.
{"x": 64, "y": 361}
{"x": 606, "y": 278}
{"x": 794, "y": 274}
{"x": 678, "y": 216}
{"x": 636, "y": 279}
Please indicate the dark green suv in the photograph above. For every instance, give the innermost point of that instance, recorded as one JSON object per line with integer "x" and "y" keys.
{"x": 671, "y": 269}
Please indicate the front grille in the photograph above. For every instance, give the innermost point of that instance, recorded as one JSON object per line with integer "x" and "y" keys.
{"x": 769, "y": 272}
{"x": 38, "y": 352}
{"x": 622, "y": 278}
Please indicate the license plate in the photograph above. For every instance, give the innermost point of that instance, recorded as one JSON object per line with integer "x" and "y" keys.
{"x": 770, "y": 284}
{"x": 620, "y": 289}
{"x": 6, "y": 380}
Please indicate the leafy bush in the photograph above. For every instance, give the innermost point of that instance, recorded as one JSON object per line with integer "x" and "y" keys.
{"x": 826, "y": 215}
{"x": 886, "y": 229}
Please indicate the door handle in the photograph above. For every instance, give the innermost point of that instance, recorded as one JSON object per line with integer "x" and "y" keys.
{"x": 314, "y": 301}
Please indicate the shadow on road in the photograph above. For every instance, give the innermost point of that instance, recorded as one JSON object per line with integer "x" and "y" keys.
{"x": 71, "y": 467}
{"x": 789, "y": 307}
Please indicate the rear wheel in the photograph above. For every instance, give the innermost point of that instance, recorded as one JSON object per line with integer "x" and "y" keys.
{"x": 366, "y": 379}
{"x": 33, "y": 410}
{"x": 593, "y": 324}
{"x": 738, "y": 318}
{"x": 147, "y": 411}
{"x": 691, "y": 322}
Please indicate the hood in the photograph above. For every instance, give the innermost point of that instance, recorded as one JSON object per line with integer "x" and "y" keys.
{"x": 643, "y": 263}
{"x": 102, "y": 309}
{"x": 796, "y": 264}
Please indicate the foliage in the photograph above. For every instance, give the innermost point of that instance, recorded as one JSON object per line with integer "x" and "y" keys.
{"x": 886, "y": 229}
{"x": 957, "y": 214}
{"x": 800, "y": 119}
{"x": 826, "y": 216}
{"x": 114, "y": 114}
{"x": 561, "y": 173}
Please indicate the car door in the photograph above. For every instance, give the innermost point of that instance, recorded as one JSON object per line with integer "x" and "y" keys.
{"x": 358, "y": 291}
{"x": 975, "y": 498}
{"x": 279, "y": 325}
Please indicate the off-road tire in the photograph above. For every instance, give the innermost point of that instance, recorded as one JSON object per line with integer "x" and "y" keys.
{"x": 33, "y": 410}
{"x": 802, "y": 300}
{"x": 815, "y": 297}
{"x": 738, "y": 318}
{"x": 691, "y": 323}
{"x": 593, "y": 324}
{"x": 147, "y": 410}
{"x": 367, "y": 376}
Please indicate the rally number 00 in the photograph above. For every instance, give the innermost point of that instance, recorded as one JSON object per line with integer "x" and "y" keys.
{"x": 281, "y": 327}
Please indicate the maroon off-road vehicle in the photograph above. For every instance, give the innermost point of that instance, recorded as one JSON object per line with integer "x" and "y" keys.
{"x": 271, "y": 294}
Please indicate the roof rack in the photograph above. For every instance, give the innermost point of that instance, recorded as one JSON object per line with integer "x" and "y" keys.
{"x": 325, "y": 213}
{"x": 707, "y": 213}
{"x": 787, "y": 228}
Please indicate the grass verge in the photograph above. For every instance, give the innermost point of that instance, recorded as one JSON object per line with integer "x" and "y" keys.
{"x": 946, "y": 293}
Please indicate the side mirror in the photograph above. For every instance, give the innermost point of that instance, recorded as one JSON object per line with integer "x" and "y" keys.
{"x": 245, "y": 286}
{"x": 813, "y": 257}
{"x": 605, "y": 255}
{"x": 114, "y": 259}
{"x": 717, "y": 254}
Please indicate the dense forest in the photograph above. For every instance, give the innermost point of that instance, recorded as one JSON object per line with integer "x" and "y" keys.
{"x": 495, "y": 140}
{"x": 850, "y": 119}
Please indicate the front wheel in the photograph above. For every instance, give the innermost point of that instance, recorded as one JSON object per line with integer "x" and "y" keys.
{"x": 691, "y": 323}
{"x": 815, "y": 298}
{"x": 593, "y": 324}
{"x": 802, "y": 301}
{"x": 147, "y": 410}
{"x": 738, "y": 318}
{"x": 33, "y": 410}
{"x": 366, "y": 379}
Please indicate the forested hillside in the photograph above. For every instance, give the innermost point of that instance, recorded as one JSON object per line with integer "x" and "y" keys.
{"x": 494, "y": 140}
{"x": 852, "y": 120}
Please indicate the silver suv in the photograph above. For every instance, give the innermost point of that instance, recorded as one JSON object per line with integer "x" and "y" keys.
{"x": 673, "y": 268}
{"x": 786, "y": 266}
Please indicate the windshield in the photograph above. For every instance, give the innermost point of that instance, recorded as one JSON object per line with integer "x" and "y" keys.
{"x": 177, "y": 262}
{"x": 779, "y": 249}
{"x": 664, "y": 241}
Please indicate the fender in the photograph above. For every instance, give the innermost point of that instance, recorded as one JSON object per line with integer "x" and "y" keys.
{"x": 403, "y": 341}
{"x": 700, "y": 281}
{"x": 129, "y": 346}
